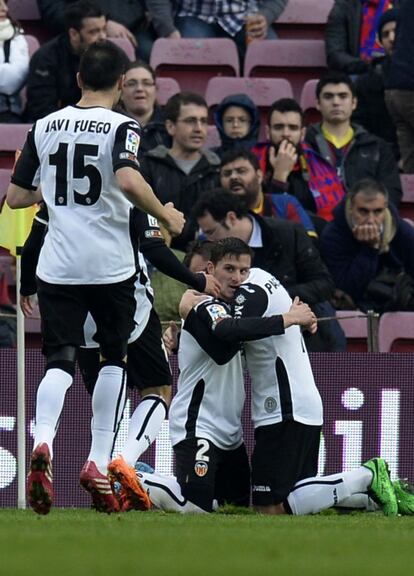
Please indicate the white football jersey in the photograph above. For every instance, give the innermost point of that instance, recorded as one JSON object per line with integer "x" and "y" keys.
{"x": 283, "y": 386}
{"x": 73, "y": 155}
{"x": 210, "y": 392}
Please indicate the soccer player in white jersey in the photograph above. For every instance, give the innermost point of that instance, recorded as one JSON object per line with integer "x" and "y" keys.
{"x": 84, "y": 159}
{"x": 287, "y": 416}
{"x": 205, "y": 415}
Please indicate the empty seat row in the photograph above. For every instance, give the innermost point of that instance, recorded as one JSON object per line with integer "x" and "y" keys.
{"x": 395, "y": 331}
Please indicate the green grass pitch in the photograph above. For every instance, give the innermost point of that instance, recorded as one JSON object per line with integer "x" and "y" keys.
{"x": 85, "y": 543}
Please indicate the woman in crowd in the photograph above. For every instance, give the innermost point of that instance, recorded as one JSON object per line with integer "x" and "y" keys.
{"x": 14, "y": 65}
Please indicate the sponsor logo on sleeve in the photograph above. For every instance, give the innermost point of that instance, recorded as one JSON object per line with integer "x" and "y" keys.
{"x": 132, "y": 142}
{"x": 128, "y": 156}
{"x": 153, "y": 234}
{"x": 152, "y": 221}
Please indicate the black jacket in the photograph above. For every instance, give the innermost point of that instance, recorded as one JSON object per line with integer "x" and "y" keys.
{"x": 51, "y": 82}
{"x": 342, "y": 36}
{"x": 367, "y": 157}
{"x": 371, "y": 112}
{"x": 289, "y": 254}
{"x": 401, "y": 74}
{"x": 171, "y": 184}
{"x": 154, "y": 133}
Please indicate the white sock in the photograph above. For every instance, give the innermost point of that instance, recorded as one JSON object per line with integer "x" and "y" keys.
{"x": 359, "y": 501}
{"x": 165, "y": 494}
{"x": 312, "y": 495}
{"x": 108, "y": 403}
{"x": 49, "y": 403}
{"x": 144, "y": 426}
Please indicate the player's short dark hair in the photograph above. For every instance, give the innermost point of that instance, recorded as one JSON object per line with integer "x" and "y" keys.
{"x": 75, "y": 12}
{"x": 198, "y": 248}
{"x": 172, "y": 108}
{"x": 234, "y": 154}
{"x": 219, "y": 202}
{"x": 229, "y": 247}
{"x": 334, "y": 77}
{"x": 369, "y": 187}
{"x": 141, "y": 64}
{"x": 284, "y": 105}
{"x": 101, "y": 65}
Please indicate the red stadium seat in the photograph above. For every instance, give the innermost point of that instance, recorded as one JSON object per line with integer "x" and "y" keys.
{"x": 396, "y": 332}
{"x": 263, "y": 92}
{"x": 12, "y": 137}
{"x": 303, "y": 19}
{"x": 295, "y": 60}
{"x": 213, "y": 137}
{"x": 308, "y": 103}
{"x": 407, "y": 202}
{"x": 193, "y": 61}
{"x": 28, "y": 14}
{"x": 33, "y": 44}
{"x": 126, "y": 46}
{"x": 356, "y": 330}
{"x": 166, "y": 87}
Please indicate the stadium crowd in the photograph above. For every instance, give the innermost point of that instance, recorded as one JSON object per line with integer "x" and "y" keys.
{"x": 279, "y": 220}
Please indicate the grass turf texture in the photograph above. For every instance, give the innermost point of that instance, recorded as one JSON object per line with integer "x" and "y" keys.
{"x": 85, "y": 543}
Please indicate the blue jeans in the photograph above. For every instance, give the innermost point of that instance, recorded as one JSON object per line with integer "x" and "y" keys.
{"x": 193, "y": 27}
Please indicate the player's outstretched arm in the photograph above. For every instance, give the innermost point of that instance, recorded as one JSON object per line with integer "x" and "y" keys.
{"x": 141, "y": 195}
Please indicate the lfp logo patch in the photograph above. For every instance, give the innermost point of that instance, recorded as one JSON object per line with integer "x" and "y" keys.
{"x": 132, "y": 142}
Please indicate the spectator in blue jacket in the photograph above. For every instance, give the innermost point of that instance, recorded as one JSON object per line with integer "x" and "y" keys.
{"x": 368, "y": 250}
{"x": 238, "y": 123}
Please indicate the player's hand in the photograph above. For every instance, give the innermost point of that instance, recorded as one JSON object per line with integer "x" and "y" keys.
{"x": 284, "y": 161}
{"x": 170, "y": 337}
{"x": 256, "y": 26}
{"x": 117, "y": 30}
{"x": 368, "y": 234}
{"x": 212, "y": 285}
{"x": 189, "y": 299}
{"x": 301, "y": 314}
{"x": 173, "y": 220}
{"x": 28, "y": 304}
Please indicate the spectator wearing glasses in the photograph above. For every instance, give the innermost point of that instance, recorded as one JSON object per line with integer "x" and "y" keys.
{"x": 139, "y": 100}
{"x": 182, "y": 172}
{"x": 238, "y": 123}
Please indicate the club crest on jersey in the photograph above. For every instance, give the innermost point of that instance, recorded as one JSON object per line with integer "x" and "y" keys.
{"x": 201, "y": 468}
{"x": 240, "y": 299}
{"x": 216, "y": 311}
{"x": 270, "y": 404}
{"x": 132, "y": 142}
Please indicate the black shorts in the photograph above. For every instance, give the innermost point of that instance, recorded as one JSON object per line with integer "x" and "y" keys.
{"x": 147, "y": 363}
{"x": 284, "y": 453}
{"x": 64, "y": 308}
{"x": 206, "y": 473}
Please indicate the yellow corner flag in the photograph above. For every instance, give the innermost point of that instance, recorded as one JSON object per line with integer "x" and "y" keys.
{"x": 15, "y": 226}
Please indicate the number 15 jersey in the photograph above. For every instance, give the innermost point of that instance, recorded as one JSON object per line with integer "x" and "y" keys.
{"x": 73, "y": 155}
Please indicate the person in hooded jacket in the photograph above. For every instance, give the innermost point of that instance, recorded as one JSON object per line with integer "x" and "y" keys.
{"x": 238, "y": 123}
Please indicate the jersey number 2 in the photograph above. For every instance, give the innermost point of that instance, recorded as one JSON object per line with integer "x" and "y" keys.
{"x": 80, "y": 170}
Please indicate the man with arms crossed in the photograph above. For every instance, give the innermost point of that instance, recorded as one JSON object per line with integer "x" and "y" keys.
{"x": 84, "y": 159}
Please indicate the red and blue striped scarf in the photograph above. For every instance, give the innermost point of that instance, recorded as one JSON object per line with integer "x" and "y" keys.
{"x": 324, "y": 183}
{"x": 372, "y": 10}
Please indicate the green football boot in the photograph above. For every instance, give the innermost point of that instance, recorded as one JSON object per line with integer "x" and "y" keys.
{"x": 404, "y": 493}
{"x": 381, "y": 488}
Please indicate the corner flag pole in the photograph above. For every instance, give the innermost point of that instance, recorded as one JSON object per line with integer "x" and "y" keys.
{"x": 21, "y": 396}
